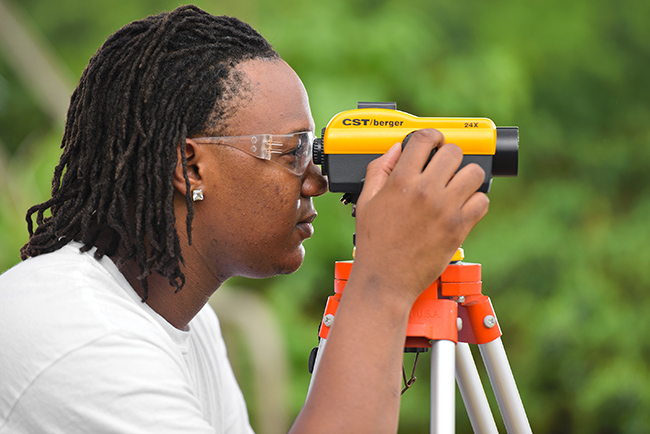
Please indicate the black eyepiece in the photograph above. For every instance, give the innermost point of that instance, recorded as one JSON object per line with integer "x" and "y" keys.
{"x": 318, "y": 151}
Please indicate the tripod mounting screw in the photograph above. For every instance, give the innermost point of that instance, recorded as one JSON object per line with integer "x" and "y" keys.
{"x": 328, "y": 320}
{"x": 489, "y": 321}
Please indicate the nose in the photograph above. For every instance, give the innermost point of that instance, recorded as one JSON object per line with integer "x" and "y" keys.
{"x": 314, "y": 183}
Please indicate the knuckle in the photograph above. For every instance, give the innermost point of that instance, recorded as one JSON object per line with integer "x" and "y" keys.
{"x": 452, "y": 151}
{"x": 431, "y": 135}
{"x": 455, "y": 227}
{"x": 476, "y": 170}
{"x": 433, "y": 200}
{"x": 424, "y": 195}
{"x": 483, "y": 206}
{"x": 373, "y": 165}
{"x": 401, "y": 180}
{"x": 427, "y": 136}
{"x": 472, "y": 175}
{"x": 476, "y": 173}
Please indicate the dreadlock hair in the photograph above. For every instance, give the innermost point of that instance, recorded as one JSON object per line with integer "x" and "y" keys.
{"x": 152, "y": 84}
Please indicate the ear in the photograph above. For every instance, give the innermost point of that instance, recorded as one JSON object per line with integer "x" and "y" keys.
{"x": 192, "y": 153}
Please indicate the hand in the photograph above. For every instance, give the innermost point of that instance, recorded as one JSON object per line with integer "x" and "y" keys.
{"x": 409, "y": 221}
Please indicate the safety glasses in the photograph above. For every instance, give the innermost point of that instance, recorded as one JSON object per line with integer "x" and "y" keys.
{"x": 291, "y": 151}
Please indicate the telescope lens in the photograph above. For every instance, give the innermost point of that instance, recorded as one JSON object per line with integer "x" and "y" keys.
{"x": 506, "y": 157}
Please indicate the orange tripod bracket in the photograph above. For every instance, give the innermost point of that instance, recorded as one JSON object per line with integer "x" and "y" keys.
{"x": 452, "y": 308}
{"x": 477, "y": 323}
{"x": 451, "y": 312}
{"x": 342, "y": 271}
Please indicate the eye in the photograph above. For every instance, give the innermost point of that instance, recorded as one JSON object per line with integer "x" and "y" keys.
{"x": 289, "y": 157}
{"x": 293, "y": 149}
{"x": 293, "y": 152}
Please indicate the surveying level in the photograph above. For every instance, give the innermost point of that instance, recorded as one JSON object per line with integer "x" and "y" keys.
{"x": 354, "y": 138}
{"x": 452, "y": 312}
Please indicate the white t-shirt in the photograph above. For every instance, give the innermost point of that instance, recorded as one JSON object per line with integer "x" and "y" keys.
{"x": 80, "y": 353}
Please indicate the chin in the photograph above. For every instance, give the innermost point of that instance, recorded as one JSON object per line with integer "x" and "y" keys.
{"x": 288, "y": 265}
{"x": 288, "y": 268}
{"x": 292, "y": 263}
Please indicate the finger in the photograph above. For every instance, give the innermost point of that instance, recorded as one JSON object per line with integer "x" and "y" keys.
{"x": 379, "y": 170}
{"x": 466, "y": 181}
{"x": 474, "y": 209}
{"x": 444, "y": 164}
{"x": 417, "y": 151}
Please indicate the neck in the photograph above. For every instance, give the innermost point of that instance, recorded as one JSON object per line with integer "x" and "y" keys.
{"x": 178, "y": 308}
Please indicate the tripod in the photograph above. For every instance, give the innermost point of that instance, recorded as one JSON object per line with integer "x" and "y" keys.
{"x": 448, "y": 316}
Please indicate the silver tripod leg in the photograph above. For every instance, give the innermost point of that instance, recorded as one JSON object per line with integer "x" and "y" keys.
{"x": 443, "y": 387}
{"x": 504, "y": 387}
{"x": 471, "y": 389}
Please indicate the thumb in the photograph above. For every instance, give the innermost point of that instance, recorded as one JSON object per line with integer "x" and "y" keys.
{"x": 378, "y": 172}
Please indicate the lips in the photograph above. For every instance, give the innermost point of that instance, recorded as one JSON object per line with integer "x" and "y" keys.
{"x": 305, "y": 224}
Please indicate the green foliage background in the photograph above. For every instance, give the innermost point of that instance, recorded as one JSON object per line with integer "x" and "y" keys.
{"x": 564, "y": 247}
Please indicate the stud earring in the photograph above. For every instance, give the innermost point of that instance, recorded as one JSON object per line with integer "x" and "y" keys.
{"x": 197, "y": 195}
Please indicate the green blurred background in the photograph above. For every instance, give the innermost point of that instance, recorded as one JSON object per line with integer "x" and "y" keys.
{"x": 564, "y": 247}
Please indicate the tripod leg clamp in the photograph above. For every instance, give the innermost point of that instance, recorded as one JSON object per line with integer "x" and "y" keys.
{"x": 479, "y": 321}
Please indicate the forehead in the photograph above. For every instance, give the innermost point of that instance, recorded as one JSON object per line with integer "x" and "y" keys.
{"x": 274, "y": 101}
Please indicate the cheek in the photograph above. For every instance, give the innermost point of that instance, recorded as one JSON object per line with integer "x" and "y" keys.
{"x": 285, "y": 197}
{"x": 263, "y": 207}
{"x": 276, "y": 209}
